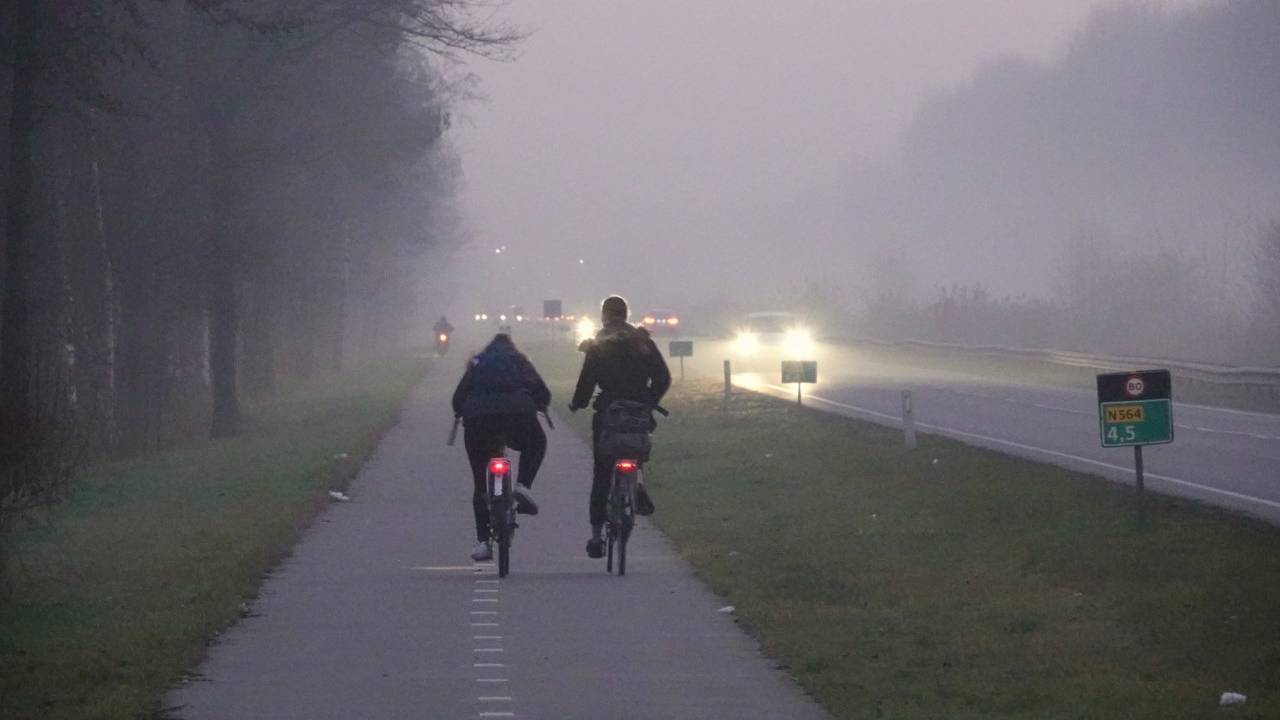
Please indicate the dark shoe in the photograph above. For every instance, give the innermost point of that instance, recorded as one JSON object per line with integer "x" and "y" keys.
{"x": 524, "y": 501}
{"x": 595, "y": 549}
{"x": 644, "y": 505}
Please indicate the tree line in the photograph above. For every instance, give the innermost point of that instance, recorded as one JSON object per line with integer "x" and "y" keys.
{"x": 202, "y": 197}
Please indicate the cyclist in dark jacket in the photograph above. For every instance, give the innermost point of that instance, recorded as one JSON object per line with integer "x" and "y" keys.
{"x": 623, "y": 361}
{"x": 498, "y": 399}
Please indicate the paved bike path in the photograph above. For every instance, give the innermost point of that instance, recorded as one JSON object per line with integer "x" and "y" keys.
{"x": 379, "y": 613}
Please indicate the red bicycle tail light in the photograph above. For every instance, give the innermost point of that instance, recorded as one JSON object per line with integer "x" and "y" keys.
{"x": 625, "y": 466}
{"x": 499, "y": 466}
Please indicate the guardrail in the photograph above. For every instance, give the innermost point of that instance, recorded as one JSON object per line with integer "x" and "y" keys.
{"x": 1202, "y": 372}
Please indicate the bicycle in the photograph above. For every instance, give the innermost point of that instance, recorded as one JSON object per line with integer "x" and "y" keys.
{"x": 500, "y": 497}
{"x": 620, "y": 506}
{"x": 499, "y": 487}
{"x": 620, "y": 512}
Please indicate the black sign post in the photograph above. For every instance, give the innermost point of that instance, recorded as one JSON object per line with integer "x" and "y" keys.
{"x": 681, "y": 349}
{"x": 1136, "y": 409}
{"x": 799, "y": 372}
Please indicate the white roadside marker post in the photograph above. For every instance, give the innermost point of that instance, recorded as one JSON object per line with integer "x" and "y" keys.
{"x": 908, "y": 420}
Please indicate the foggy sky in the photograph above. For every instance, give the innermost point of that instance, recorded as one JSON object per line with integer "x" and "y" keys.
{"x": 663, "y": 137}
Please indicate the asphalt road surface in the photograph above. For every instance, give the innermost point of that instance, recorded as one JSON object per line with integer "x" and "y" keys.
{"x": 381, "y": 614}
{"x": 1225, "y": 457}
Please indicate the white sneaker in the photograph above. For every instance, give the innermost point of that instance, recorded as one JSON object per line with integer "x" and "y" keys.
{"x": 482, "y": 551}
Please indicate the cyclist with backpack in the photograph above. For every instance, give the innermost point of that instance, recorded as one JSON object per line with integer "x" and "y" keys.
{"x": 623, "y": 361}
{"x": 498, "y": 399}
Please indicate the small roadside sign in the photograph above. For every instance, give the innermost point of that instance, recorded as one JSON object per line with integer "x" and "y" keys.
{"x": 1135, "y": 408}
{"x": 799, "y": 372}
{"x": 680, "y": 349}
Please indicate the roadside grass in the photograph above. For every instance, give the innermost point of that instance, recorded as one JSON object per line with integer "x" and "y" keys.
{"x": 117, "y": 593}
{"x": 956, "y": 582}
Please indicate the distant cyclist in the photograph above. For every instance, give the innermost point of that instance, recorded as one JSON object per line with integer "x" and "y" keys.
{"x": 623, "y": 361}
{"x": 498, "y": 399}
{"x": 442, "y": 326}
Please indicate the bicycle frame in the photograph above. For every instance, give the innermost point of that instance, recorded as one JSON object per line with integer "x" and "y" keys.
{"x": 499, "y": 487}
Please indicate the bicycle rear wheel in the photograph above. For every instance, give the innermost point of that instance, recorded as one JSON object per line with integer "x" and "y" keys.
{"x": 622, "y": 555}
{"x": 502, "y": 533}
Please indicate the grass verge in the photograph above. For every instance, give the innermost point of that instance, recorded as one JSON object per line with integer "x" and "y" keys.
{"x": 956, "y": 582}
{"x": 119, "y": 591}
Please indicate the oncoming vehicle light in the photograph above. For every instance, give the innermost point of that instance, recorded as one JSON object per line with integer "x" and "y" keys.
{"x": 649, "y": 320}
{"x": 673, "y": 320}
{"x": 499, "y": 466}
{"x": 746, "y": 343}
{"x": 585, "y": 329}
{"x": 625, "y": 466}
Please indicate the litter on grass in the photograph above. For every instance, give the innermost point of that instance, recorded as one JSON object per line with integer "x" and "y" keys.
{"x": 727, "y": 609}
{"x": 339, "y": 496}
{"x": 1231, "y": 698}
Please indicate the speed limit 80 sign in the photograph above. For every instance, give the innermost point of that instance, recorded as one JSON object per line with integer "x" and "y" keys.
{"x": 1135, "y": 408}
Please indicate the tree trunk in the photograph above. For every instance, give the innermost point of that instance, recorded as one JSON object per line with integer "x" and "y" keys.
{"x": 224, "y": 316}
{"x": 15, "y": 336}
{"x": 106, "y": 400}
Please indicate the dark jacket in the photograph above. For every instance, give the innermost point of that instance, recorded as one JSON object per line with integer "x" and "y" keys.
{"x": 500, "y": 380}
{"x": 626, "y": 364}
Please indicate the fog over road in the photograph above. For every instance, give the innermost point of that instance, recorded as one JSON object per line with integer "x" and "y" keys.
{"x": 1220, "y": 456}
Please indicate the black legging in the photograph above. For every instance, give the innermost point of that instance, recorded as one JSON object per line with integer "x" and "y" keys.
{"x": 484, "y": 436}
{"x": 601, "y": 475}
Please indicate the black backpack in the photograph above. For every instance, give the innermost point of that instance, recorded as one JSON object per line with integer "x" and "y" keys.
{"x": 624, "y": 431}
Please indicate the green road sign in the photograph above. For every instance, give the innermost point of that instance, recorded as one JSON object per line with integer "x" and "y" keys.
{"x": 799, "y": 371}
{"x": 1135, "y": 408}
{"x": 681, "y": 348}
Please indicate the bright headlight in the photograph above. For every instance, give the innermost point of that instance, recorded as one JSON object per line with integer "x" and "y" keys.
{"x": 585, "y": 329}
{"x": 746, "y": 343}
{"x": 798, "y": 342}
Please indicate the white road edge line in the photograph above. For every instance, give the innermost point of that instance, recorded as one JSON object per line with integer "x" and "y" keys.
{"x": 1045, "y": 451}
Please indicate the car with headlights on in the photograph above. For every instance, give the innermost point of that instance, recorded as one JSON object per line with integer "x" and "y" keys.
{"x": 661, "y": 322}
{"x": 774, "y": 332}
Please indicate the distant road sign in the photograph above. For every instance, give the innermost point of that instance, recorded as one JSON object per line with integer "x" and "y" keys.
{"x": 680, "y": 348}
{"x": 552, "y": 309}
{"x": 799, "y": 371}
{"x": 1135, "y": 408}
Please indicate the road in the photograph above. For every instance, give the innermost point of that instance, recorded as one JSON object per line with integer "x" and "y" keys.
{"x": 1220, "y": 456}
{"x": 380, "y": 613}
